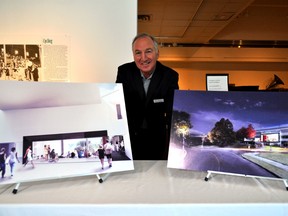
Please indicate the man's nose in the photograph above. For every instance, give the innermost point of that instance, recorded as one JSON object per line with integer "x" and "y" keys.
{"x": 143, "y": 56}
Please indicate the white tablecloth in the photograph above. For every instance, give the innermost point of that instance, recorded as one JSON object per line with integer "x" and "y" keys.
{"x": 150, "y": 189}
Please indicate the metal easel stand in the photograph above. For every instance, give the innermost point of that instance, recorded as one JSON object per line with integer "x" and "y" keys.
{"x": 251, "y": 176}
{"x": 100, "y": 179}
{"x": 15, "y": 190}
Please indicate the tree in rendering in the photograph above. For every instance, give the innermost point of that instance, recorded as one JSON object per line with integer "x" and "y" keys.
{"x": 222, "y": 134}
{"x": 180, "y": 126}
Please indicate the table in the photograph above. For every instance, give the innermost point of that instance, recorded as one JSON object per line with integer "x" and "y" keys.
{"x": 150, "y": 189}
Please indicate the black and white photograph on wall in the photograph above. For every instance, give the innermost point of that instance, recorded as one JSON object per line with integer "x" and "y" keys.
{"x": 242, "y": 133}
{"x": 58, "y": 130}
{"x": 20, "y": 62}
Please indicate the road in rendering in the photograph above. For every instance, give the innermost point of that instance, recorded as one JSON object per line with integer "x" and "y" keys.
{"x": 222, "y": 160}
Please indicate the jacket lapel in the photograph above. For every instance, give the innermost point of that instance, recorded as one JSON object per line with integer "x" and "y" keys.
{"x": 155, "y": 82}
{"x": 138, "y": 84}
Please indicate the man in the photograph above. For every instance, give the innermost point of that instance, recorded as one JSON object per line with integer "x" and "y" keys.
{"x": 148, "y": 89}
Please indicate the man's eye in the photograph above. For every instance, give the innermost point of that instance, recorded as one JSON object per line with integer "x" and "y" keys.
{"x": 149, "y": 51}
{"x": 137, "y": 53}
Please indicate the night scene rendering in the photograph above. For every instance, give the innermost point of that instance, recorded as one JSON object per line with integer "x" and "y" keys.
{"x": 231, "y": 132}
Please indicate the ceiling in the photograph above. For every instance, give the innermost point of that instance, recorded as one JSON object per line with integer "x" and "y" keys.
{"x": 261, "y": 23}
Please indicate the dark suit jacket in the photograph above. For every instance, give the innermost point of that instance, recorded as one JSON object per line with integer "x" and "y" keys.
{"x": 157, "y": 106}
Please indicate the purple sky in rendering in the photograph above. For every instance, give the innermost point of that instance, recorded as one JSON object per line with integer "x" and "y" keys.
{"x": 261, "y": 109}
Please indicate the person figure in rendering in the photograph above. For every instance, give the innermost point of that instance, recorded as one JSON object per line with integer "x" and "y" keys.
{"x": 3, "y": 158}
{"x": 108, "y": 148}
{"x": 49, "y": 151}
{"x": 29, "y": 157}
{"x": 148, "y": 89}
{"x": 53, "y": 157}
{"x": 46, "y": 152}
{"x": 13, "y": 157}
{"x": 101, "y": 155}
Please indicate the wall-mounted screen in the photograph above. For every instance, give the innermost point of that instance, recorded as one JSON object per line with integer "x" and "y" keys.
{"x": 217, "y": 82}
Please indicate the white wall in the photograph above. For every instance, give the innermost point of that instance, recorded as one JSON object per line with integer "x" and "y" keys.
{"x": 54, "y": 120}
{"x": 101, "y": 31}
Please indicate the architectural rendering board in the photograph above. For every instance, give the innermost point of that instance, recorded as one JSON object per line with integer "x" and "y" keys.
{"x": 73, "y": 119}
{"x": 231, "y": 132}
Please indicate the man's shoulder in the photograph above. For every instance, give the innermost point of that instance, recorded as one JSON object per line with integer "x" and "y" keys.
{"x": 127, "y": 66}
{"x": 166, "y": 69}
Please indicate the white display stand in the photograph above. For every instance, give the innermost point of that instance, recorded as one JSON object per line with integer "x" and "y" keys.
{"x": 100, "y": 180}
{"x": 151, "y": 189}
{"x": 251, "y": 176}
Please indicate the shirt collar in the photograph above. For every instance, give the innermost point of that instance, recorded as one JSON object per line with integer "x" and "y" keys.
{"x": 147, "y": 77}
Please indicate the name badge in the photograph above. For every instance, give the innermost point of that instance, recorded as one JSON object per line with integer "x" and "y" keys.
{"x": 158, "y": 100}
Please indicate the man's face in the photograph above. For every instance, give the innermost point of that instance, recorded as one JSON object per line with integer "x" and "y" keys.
{"x": 145, "y": 55}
